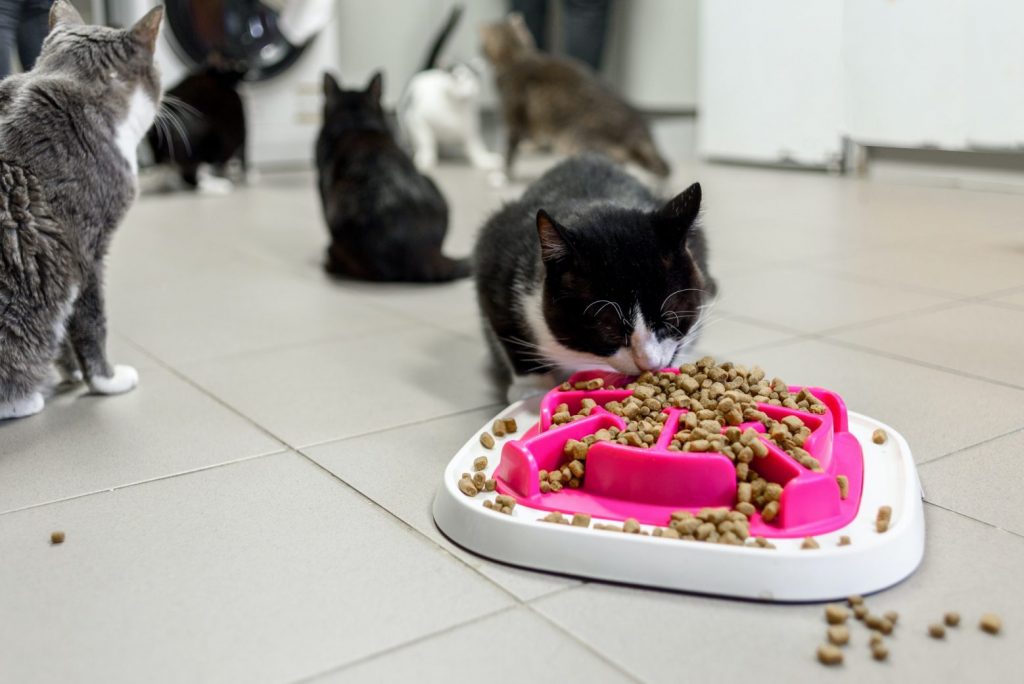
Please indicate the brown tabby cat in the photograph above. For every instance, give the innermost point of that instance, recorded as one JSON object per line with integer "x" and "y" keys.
{"x": 561, "y": 101}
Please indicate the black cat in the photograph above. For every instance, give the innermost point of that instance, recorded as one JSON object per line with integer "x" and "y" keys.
{"x": 387, "y": 220}
{"x": 207, "y": 123}
{"x": 589, "y": 270}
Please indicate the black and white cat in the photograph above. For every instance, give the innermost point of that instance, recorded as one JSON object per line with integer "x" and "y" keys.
{"x": 589, "y": 270}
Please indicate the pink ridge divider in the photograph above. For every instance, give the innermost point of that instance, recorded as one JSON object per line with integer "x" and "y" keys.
{"x": 649, "y": 484}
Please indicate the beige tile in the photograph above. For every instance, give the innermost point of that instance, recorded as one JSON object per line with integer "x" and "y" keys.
{"x": 955, "y": 270}
{"x": 912, "y": 399}
{"x": 973, "y": 482}
{"x": 976, "y": 338}
{"x": 726, "y": 334}
{"x": 265, "y": 570}
{"x": 1015, "y": 299}
{"x": 808, "y": 302}
{"x": 968, "y": 567}
{"x": 239, "y": 306}
{"x": 315, "y": 393}
{"x": 401, "y": 470}
{"x": 528, "y": 649}
{"x": 84, "y": 443}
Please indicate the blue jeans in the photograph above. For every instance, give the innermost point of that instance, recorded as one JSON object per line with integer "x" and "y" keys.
{"x": 24, "y": 23}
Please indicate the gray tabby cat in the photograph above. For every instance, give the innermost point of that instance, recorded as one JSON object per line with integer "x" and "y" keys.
{"x": 68, "y": 133}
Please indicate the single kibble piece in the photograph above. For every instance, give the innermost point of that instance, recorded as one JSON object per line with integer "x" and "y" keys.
{"x": 498, "y": 427}
{"x": 892, "y": 616}
{"x": 809, "y": 543}
{"x": 839, "y": 635}
{"x": 631, "y": 525}
{"x": 510, "y": 426}
{"x": 836, "y": 614}
{"x": 57, "y": 537}
{"x": 876, "y": 638}
{"x": 829, "y": 654}
{"x": 844, "y": 540}
{"x": 936, "y": 631}
{"x": 555, "y": 517}
{"x": 467, "y": 487}
{"x": 581, "y": 520}
{"x": 990, "y": 623}
{"x": 487, "y": 440}
{"x": 855, "y": 600}
{"x": 490, "y": 485}
{"x": 879, "y": 436}
{"x": 479, "y": 463}
{"x": 883, "y": 518}
{"x": 860, "y": 611}
{"x": 879, "y": 651}
{"x": 951, "y": 619}
{"x": 844, "y": 486}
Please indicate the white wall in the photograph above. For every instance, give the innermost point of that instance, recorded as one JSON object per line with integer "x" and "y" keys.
{"x": 770, "y": 81}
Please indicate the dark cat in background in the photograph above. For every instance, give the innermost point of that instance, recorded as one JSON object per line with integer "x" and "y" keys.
{"x": 69, "y": 130}
{"x": 561, "y": 101}
{"x": 387, "y": 220}
{"x": 589, "y": 270}
{"x": 206, "y": 124}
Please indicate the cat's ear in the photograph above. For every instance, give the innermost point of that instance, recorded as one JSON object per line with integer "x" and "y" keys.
{"x": 63, "y": 13}
{"x": 331, "y": 87}
{"x": 554, "y": 246}
{"x": 681, "y": 211}
{"x": 376, "y": 87}
{"x": 146, "y": 29}
{"x": 521, "y": 30}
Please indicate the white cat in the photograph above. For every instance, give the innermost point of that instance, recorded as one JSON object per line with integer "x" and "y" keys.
{"x": 442, "y": 107}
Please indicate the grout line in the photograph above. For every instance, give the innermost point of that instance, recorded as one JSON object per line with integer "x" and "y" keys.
{"x": 969, "y": 447}
{"x": 973, "y": 519}
{"x": 902, "y": 315}
{"x": 312, "y": 445}
{"x": 159, "y": 478}
{"x": 402, "y": 645}
{"x": 586, "y": 646}
{"x": 836, "y": 342}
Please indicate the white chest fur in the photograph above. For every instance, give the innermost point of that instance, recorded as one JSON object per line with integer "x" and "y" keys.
{"x": 141, "y": 112}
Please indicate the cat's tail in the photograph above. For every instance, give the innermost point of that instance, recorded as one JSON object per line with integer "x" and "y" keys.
{"x": 442, "y": 37}
{"x": 440, "y": 269}
{"x": 646, "y": 155}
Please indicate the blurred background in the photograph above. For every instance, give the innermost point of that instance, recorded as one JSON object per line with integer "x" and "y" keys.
{"x": 928, "y": 89}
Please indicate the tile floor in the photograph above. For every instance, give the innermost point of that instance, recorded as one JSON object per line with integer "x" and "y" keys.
{"x": 249, "y": 513}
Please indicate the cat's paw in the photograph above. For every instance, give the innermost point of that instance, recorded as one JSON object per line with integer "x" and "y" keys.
{"x": 524, "y": 387}
{"x": 124, "y": 379}
{"x": 487, "y": 161}
{"x": 20, "y": 408}
{"x": 214, "y": 185}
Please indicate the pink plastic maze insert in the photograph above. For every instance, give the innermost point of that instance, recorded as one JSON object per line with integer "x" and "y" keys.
{"x": 649, "y": 484}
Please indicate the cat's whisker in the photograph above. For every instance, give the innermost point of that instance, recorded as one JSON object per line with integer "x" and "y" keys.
{"x": 176, "y": 122}
{"x": 686, "y": 289}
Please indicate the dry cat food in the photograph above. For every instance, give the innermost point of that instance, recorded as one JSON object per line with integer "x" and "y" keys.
{"x": 504, "y": 426}
{"x": 487, "y": 440}
{"x": 844, "y": 486}
{"x": 555, "y": 517}
{"x": 951, "y": 619}
{"x": 891, "y": 615}
{"x": 844, "y": 540}
{"x": 501, "y": 504}
{"x": 57, "y": 537}
{"x": 581, "y": 520}
{"x": 479, "y": 463}
{"x": 879, "y": 436}
{"x": 838, "y": 635}
{"x": 879, "y": 623}
{"x": 990, "y": 623}
{"x": 883, "y": 518}
{"x": 829, "y": 654}
{"x": 836, "y": 614}
{"x": 466, "y": 485}
{"x": 809, "y": 543}
{"x": 879, "y": 651}
{"x": 936, "y": 631}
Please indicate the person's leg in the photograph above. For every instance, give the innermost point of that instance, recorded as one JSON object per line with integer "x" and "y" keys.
{"x": 34, "y": 25}
{"x": 10, "y": 13}
{"x": 535, "y": 13}
{"x": 585, "y": 25}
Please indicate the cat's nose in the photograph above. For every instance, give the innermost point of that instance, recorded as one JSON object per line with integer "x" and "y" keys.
{"x": 644, "y": 359}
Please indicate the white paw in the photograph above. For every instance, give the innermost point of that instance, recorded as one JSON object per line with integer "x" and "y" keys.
{"x": 20, "y": 408}
{"x": 525, "y": 386}
{"x": 124, "y": 379}
{"x": 213, "y": 185}
{"x": 488, "y": 161}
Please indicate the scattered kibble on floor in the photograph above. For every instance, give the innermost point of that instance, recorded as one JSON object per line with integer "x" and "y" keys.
{"x": 836, "y": 614}
{"x": 879, "y": 651}
{"x": 839, "y": 635}
{"x": 57, "y": 537}
{"x": 936, "y": 631}
{"x": 830, "y": 654}
{"x": 952, "y": 619}
{"x": 991, "y": 623}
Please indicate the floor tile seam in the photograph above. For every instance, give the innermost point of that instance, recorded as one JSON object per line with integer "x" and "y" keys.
{"x": 402, "y": 645}
{"x": 955, "y": 512}
{"x": 960, "y": 450}
{"x": 158, "y": 478}
{"x": 497, "y": 406}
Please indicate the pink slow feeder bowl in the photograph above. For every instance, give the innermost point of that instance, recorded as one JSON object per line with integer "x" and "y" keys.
{"x": 648, "y": 484}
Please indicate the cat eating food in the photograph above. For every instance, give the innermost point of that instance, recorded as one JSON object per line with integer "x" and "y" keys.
{"x": 589, "y": 270}
{"x": 561, "y": 101}
{"x": 68, "y": 134}
{"x": 387, "y": 220}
